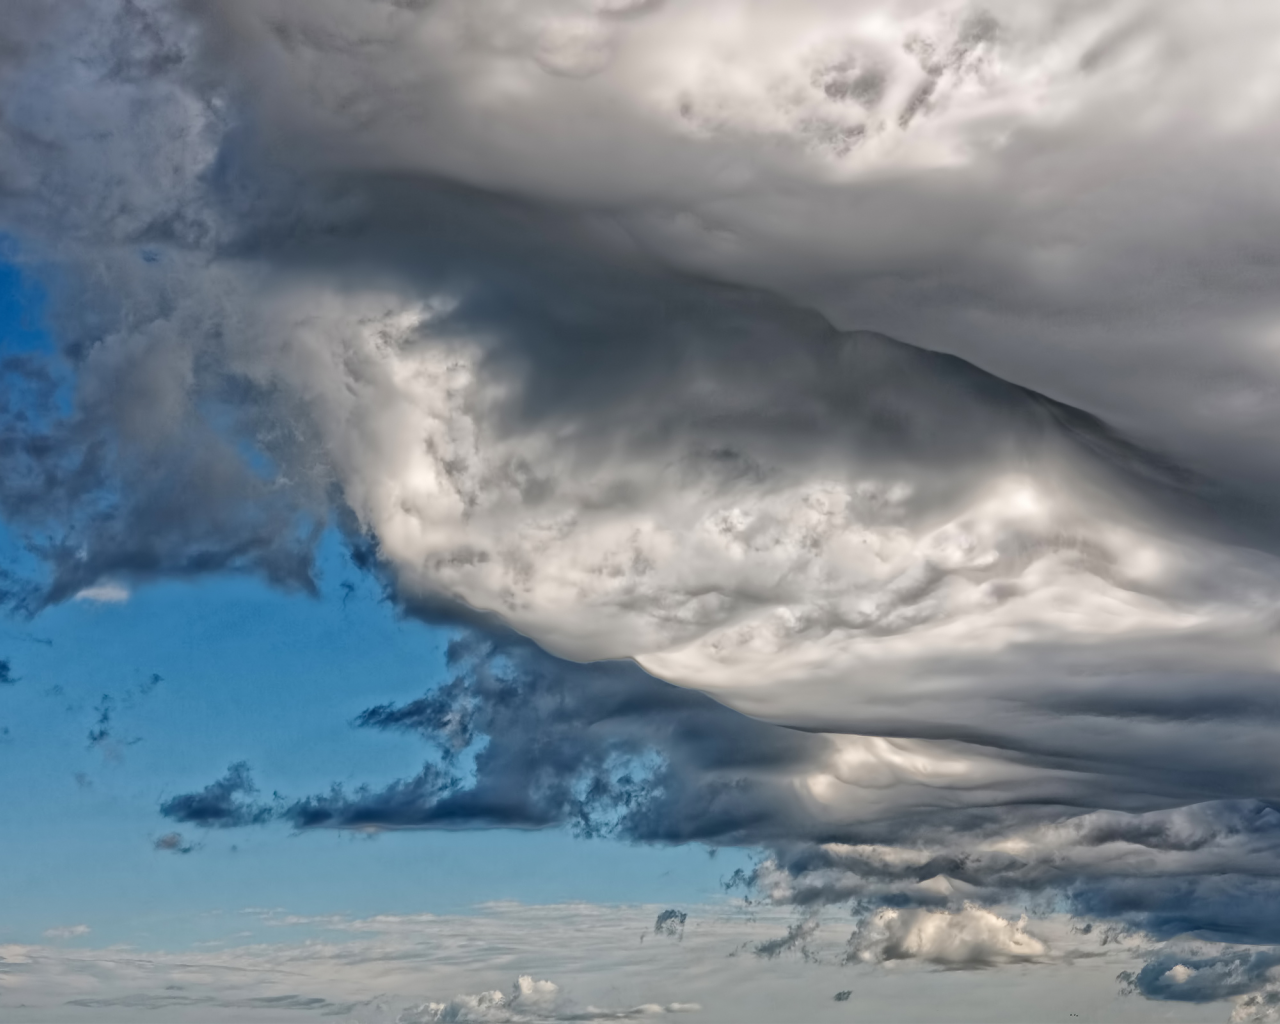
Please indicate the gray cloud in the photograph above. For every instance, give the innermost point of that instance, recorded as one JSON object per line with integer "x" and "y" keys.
{"x": 224, "y": 803}
{"x": 173, "y": 842}
{"x": 511, "y": 298}
{"x": 528, "y": 741}
{"x": 670, "y": 923}
{"x": 795, "y": 940}
{"x": 171, "y": 1001}
{"x": 1203, "y": 979}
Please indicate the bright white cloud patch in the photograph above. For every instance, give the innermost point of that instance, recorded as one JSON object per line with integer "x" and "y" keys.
{"x": 969, "y": 937}
{"x": 106, "y": 593}
{"x": 528, "y": 1000}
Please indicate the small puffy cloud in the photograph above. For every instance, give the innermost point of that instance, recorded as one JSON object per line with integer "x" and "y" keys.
{"x": 73, "y": 931}
{"x": 967, "y": 938}
{"x": 528, "y": 1000}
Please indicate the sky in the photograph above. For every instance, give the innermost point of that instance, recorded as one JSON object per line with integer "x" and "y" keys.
{"x": 610, "y": 509}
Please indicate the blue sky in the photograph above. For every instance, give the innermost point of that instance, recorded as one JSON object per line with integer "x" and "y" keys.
{"x": 252, "y": 674}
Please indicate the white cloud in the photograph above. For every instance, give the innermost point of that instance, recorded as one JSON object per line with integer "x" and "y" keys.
{"x": 966, "y": 938}
{"x": 105, "y": 593}
{"x": 67, "y": 932}
{"x": 604, "y": 960}
{"x": 528, "y": 1000}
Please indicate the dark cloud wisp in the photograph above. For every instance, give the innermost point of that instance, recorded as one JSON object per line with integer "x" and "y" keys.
{"x": 224, "y": 803}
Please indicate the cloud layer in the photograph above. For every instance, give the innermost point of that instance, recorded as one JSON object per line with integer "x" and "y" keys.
{"x": 604, "y": 960}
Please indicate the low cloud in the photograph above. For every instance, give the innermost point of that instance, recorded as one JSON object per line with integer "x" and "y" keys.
{"x": 796, "y": 940}
{"x": 67, "y": 932}
{"x": 1250, "y": 978}
{"x": 527, "y": 1001}
{"x": 382, "y": 966}
{"x": 670, "y": 923}
{"x": 173, "y": 1001}
{"x": 971, "y": 937}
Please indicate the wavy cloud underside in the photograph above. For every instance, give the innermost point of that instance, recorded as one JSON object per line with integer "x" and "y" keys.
{"x": 892, "y": 378}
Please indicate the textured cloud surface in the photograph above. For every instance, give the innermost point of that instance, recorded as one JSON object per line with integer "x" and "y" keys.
{"x": 508, "y": 963}
{"x": 899, "y": 374}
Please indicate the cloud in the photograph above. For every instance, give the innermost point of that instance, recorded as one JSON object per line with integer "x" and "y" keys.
{"x": 391, "y": 967}
{"x": 528, "y": 1000}
{"x": 106, "y": 593}
{"x": 7, "y": 677}
{"x": 69, "y": 932}
{"x": 517, "y": 738}
{"x": 797, "y": 939}
{"x": 967, "y": 938}
{"x": 380, "y": 967}
{"x": 524, "y": 740}
{"x": 670, "y": 923}
{"x": 579, "y": 322}
{"x": 221, "y": 804}
{"x": 171, "y": 1001}
{"x": 172, "y": 842}
{"x": 1248, "y": 977}
{"x": 101, "y": 731}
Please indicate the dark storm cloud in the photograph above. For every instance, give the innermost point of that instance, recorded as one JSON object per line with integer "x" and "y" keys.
{"x": 528, "y": 741}
{"x": 224, "y": 803}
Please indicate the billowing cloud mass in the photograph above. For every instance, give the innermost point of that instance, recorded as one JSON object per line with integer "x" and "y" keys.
{"x": 875, "y": 397}
{"x": 969, "y": 937}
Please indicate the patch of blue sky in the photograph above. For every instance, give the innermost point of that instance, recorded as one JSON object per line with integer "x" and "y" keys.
{"x": 249, "y": 673}
{"x": 22, "y": 304}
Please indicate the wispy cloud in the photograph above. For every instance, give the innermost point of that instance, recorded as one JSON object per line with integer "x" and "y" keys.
{"x": 73, "y": 931}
